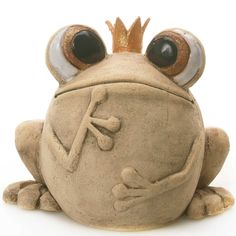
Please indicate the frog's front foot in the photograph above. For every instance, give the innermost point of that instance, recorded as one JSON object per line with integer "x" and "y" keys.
{"x": 209, "y": 201}
{"x": 134, "y": 190}
{"x": 30, "y": 195}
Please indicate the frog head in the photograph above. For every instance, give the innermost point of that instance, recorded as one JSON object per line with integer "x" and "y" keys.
{"x": 77, "y": 57}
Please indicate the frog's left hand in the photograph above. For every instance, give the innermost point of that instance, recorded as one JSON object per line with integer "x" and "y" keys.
{"x": 136, "y": 189}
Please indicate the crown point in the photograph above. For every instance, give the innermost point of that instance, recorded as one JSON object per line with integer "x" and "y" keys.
{"x": 146, "y": 24}
{"x": 110, "y": 26}
{"x": 127, "y": 40}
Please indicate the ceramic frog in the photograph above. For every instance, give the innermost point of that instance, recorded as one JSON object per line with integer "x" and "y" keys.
{"x": 123, "y": 145}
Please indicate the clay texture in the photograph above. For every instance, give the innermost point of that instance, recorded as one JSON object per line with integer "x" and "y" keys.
{"x": 123, "y": 145}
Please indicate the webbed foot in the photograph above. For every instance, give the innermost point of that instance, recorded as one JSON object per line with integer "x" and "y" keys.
{"x": 30, "y": 195}
{"x": 209, "y": 201}
{"x": 134, "y": 190}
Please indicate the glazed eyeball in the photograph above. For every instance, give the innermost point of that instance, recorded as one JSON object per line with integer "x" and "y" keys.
{"x": 72, "y": 49}
{"x": 179, "y": 55}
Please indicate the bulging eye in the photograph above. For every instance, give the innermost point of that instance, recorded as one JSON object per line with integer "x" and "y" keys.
{"x": 72, "y": 49}
{"x": 82, "y": 46}
{"x": 88, "y": 47}
{"x": 162, "y": 52}
{"x": 179, "y": 55}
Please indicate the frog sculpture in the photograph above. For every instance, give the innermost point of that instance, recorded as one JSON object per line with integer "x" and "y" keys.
{"x": 123, "y": 145}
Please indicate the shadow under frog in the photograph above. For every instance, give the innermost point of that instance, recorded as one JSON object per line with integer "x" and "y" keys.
{"x": 123, "y": 145}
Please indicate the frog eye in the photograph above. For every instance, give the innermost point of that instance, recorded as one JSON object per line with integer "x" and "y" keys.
{"x": 73, "y": 49}
{"x": 179, "y": 55}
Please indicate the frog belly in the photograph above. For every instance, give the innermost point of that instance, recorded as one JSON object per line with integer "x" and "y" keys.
{"x": 157, "y": 131}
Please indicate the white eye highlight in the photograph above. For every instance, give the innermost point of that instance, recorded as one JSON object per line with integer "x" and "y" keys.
{"x": 57, "y": 60}
{"x": 196, "y": 62}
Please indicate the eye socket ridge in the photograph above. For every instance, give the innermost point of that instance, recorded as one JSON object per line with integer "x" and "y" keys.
{"x": 56, "y": 61}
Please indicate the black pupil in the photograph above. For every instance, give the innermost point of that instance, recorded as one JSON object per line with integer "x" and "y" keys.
{"x": 88, "y": 47}
{"x": 162, "y": 52}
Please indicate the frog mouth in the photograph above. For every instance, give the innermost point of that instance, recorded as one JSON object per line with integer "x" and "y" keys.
{"x": 151, "y": 82}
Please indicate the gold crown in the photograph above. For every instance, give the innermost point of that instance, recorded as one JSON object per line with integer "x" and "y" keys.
{"x": 127, "y": 40}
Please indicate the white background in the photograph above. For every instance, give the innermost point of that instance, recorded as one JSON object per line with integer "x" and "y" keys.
{"x": 26, "y": 87}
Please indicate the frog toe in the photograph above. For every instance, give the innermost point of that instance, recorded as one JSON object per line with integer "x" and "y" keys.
{"x": 11, "y": 192}
{"x": 48, "y": 203}
{"x": 30, "y": 195}
{"x": 209, "y": 201}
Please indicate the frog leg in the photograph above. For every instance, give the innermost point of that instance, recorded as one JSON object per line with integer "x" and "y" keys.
{"x": 30, "y": 194}
{"x": 208, "y": 200}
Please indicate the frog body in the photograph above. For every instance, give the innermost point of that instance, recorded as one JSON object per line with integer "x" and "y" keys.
{"x": 123, "y": 145}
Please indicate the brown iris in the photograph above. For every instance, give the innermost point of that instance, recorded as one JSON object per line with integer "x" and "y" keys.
{"x": 169, "y": 52}
{"x": 82, "y": 46}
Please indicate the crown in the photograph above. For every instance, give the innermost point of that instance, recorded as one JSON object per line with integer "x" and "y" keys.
{"x": 127, "y": 40}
